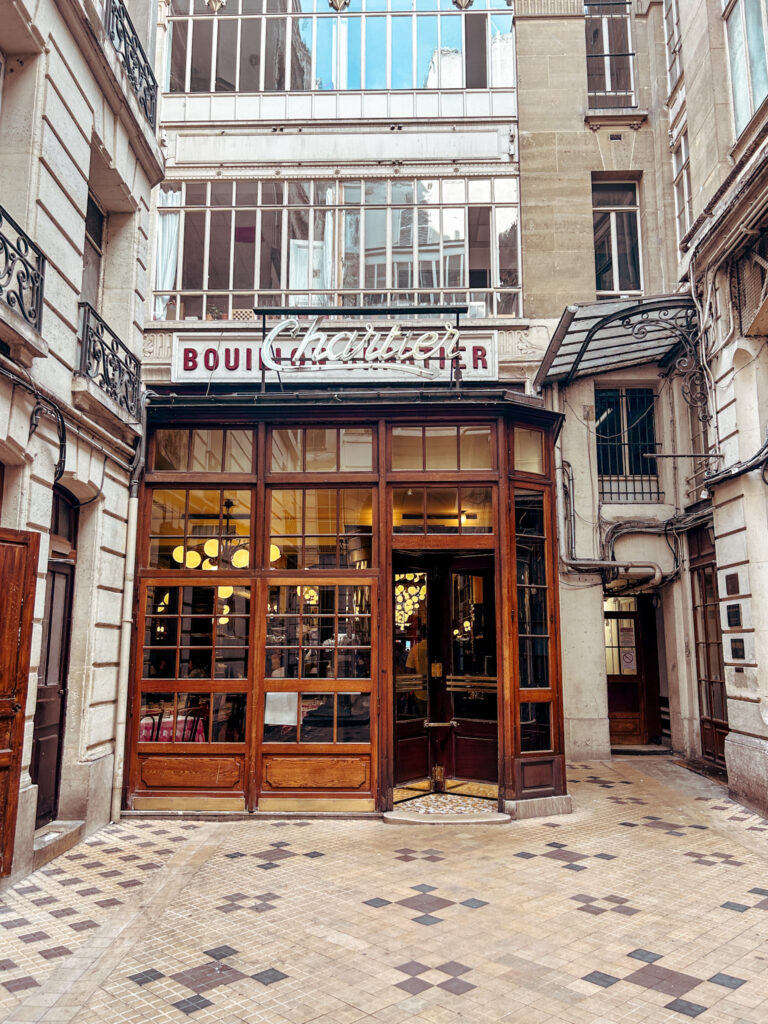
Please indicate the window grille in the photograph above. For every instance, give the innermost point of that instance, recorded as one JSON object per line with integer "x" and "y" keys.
{"x": 626, "y": 445}
{"x": 610, "y": 57}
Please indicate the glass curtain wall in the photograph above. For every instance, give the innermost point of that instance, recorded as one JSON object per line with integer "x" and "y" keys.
{"x": 234, "y": 245}
{"x": 276, "y": 46}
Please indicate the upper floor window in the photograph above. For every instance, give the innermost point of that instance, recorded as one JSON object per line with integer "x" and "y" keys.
{"x": 303, "y": 47}
{"x": 626, "y": 444}
{"x": 93, "y": 253}
{"x": 226, "y": 246}
{"x": 746, "y": 31}
{"x": 673, "y": 43}
{"x": 610, "y": 75}
{"x": 615, "y": 217}
{"x": 681, "y": 166}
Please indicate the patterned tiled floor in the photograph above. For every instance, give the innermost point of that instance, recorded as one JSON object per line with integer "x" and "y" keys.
{"x": 647, "y": 905}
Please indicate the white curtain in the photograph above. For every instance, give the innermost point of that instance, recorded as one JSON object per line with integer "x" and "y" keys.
{"x": 167, "y": 249}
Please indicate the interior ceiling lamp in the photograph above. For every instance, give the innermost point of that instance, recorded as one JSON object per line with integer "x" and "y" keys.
{"x": 463, "y": 4}
{"x": 232, "y": 550}
{"x": 338, "y": 5}
{"x": 216, "y": 4}
{"x": 410, "y": 591}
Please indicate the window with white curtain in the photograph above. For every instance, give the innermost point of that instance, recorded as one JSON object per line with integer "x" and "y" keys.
{"x": 746, "y": 31}
{"x": 616, "y": 223}
{"x": 673, "y": 43}
{"x": 224, "y": 247}
{"x": 681, "y": 166}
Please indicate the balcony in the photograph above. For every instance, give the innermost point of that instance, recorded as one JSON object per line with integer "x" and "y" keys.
{"x": 110, "y": 374}
{"x": 22, "y": 279}
{"x": 131, "y": 53}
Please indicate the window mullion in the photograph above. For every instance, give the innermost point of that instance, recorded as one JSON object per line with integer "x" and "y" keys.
{"x": 206, "y": 245}
{"x": 238, "y": 33}
{"x": 614, "y": 252}
{"x": 606, "y": 53}
{"x": 262, "y": 54}
{"x": 257, "y": 249}
{"x": 284, "y": 243}
{"x": 214, "y": 54}
{"x": 188, "y": 61}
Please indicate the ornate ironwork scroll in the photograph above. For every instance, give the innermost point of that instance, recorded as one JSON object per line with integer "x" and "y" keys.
{"x": 680, "y": 321}
{"x": 105, "y": 360}
{"x": 137, "y": 67}
{"x": 22, "y": 271}
{"x": 671, "y": 319}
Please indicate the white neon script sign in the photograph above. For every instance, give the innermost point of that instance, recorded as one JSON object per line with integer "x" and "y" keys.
{"x": 368, "y": 347}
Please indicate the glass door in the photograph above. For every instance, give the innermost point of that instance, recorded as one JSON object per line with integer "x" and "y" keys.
{"x": 446, "y": 705}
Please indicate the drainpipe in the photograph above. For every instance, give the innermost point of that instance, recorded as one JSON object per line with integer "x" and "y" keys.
{"x": 126, "y": 621}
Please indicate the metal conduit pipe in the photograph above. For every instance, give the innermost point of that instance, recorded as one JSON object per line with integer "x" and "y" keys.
{"x": 587, "y": 565}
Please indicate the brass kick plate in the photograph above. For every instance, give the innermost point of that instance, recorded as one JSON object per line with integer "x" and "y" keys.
{"x": 438, "y": 773}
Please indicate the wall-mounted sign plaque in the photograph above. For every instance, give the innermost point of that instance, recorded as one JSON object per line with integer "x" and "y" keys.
{"x": 313, "y": 353}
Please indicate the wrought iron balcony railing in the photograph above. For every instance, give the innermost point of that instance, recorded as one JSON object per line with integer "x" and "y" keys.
{"x": 22, "y": 272}
{"x": 137, "y": 67}
{"x": 105, "y": 360}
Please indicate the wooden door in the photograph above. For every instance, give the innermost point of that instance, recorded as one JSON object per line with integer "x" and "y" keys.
{"x": 446, "y": 719}
{"x": 45, "y": 768}
{"x": 412, "y": 593}
{"x": 632, "y": 670}
{"x": 18, "y": 571}
{"x": 471, "y": 682}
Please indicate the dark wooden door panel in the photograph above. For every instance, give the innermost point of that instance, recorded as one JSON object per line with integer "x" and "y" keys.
{"x": 49, "y": 710}
{"x": 18, "y": 571}
{"x": 445, "y": 668}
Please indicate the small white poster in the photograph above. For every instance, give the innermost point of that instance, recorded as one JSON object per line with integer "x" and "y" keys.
{"x": 281, "y": 708}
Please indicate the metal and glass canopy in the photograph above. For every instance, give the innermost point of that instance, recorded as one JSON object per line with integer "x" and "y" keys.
{"x": 595, "y": 337}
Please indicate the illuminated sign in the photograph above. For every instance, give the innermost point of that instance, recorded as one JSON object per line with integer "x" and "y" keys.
{"x": 314, "y": 354}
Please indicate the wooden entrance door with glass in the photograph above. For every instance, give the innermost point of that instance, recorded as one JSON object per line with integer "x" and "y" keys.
{"x": 446, "y": 704}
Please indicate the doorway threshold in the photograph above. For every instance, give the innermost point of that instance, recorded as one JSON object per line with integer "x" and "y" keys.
{"x": 54, "y": 839}
{"x": 446, "y": 809}
{"x": 641, "y": 750}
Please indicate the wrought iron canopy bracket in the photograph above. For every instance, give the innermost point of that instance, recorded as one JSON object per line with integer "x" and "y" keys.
{"x": 669, "y": 319}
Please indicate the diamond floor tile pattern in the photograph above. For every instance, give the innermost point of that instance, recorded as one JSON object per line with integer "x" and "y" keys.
{"x": 156, "y": 921}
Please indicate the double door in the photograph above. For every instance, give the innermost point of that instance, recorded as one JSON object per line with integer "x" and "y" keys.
{"x": 446, "y": 700}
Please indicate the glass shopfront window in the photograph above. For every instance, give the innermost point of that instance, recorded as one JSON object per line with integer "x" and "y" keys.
{"x": 224, "y": 247}
{"x": 259, "y": 670}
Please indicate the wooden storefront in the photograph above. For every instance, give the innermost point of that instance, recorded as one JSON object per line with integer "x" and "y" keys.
{"x": 343, "y": 592}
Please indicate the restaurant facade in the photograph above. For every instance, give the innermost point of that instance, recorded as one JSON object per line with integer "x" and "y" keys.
{"x": 347, "y": 585}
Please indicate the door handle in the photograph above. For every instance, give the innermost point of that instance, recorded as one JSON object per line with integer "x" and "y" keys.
{"x": 15, "y": 707}
{"x": 441, "y": 725}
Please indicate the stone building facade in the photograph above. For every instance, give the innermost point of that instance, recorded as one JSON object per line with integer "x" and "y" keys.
{"x": 382, "y": 545}
{"x": 78, "y": 159}
{"x": 663, "y": 450}
{"x": 599, "y": 142}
